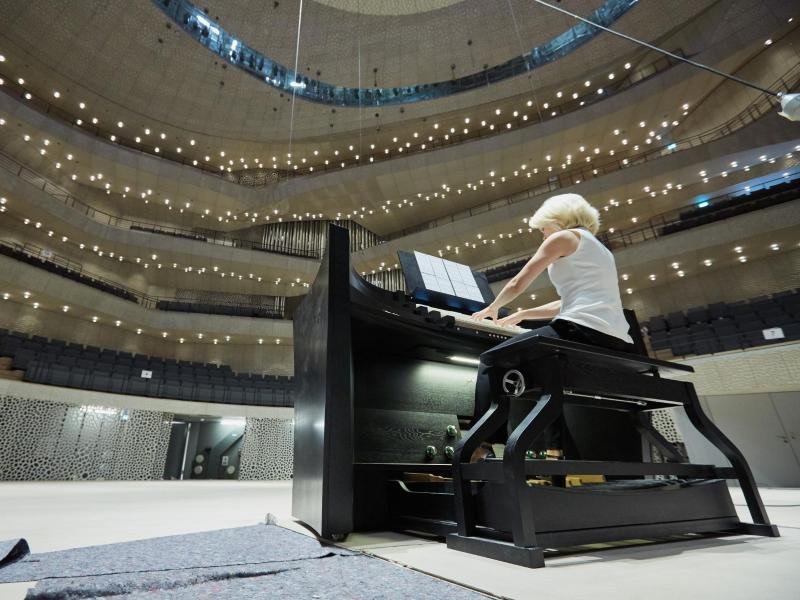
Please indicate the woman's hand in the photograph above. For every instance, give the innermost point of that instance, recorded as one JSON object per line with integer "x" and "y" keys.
{"x": 512, "y": 319}
{"x": 490, "y": 312}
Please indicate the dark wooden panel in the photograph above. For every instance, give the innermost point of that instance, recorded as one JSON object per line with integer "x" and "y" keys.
{"x": 559, "y": 509}
{"x": 492, "y": 469}
{"x": 596, "y": 379}
{"x": 402, "y": 436}
{"x": 395, "y": 382}
{"x": 322, "y": 489}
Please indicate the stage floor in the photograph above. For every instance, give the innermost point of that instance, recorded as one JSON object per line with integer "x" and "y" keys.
{"x": 59, "y": 515}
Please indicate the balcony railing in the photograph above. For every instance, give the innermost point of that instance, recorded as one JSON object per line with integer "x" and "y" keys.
{"x": 764, "y": 104}
{"x": 202, "y": 235}
{"x": 60, "y": 265}
{"x": 261, "y": 177}
{"x": 659, "y": 225}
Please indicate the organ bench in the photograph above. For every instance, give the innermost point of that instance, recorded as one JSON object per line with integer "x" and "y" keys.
{"x": 501, "y": 516}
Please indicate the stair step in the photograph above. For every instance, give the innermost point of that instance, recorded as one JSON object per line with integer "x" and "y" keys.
{"x": 13, "y": 375}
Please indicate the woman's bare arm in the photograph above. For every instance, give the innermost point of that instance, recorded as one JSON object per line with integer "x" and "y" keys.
{"x": 557, "y": 245}
{"x": 545, "y": 311}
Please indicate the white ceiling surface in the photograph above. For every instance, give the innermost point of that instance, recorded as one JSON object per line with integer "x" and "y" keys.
{"x": 371, "y": 185}
{"x": 110, "y": 51}
{"x": 344, "y": 191}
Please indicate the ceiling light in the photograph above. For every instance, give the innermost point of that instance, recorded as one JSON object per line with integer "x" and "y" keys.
{"x": 743, "y": 259}
{"x": 738, "y": 249}
{"x": 652, "y": 276}
{"x": 775, "y": 246}
{"x": 94, "y": 319}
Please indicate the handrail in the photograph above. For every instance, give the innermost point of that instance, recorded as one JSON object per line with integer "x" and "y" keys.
{"x": 147, "y": 301}
{"x": 653, "y": 228}
{"x": 202, "y": 235}
{"x": 761, "y": 106}
{"x": 261, "y": 177}
{"x": 267, "y": 176}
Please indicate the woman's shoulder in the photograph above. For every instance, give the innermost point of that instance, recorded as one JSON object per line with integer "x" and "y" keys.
{"x": 566, "y": 240}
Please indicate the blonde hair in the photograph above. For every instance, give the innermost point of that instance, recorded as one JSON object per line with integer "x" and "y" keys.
{"x": 566, "y": 211}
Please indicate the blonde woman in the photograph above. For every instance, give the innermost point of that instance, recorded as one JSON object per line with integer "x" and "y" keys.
{"x": 581, "y": 269}
{"x": 584, "y": 275}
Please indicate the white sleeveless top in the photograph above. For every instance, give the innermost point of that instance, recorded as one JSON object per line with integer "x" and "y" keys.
{"x": 586, "y": 280}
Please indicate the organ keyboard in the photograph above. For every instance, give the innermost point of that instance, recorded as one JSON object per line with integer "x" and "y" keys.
{"x": 467, "y": 322}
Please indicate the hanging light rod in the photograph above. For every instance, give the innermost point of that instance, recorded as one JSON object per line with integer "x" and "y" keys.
{"x": 670, "y": 54}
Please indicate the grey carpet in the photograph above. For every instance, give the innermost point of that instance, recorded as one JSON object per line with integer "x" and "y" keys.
{"x": 12, "y": 550}
{"x": 335, "y": 577}
{"x": 257, "y": 544}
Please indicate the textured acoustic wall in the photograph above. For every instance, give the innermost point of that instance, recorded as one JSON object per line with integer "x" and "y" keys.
{"x": 757, "y": 370}
{"x": 43, "y": 440}
{"x": 267, "y": 449}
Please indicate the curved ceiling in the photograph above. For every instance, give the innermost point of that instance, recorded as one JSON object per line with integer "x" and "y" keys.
{"x": 232, "y": 49}
{"x": 388, "y": 7}
{"x": 120, "y": 56}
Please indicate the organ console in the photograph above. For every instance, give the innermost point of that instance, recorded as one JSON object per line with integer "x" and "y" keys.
{"x": 386, "y": 431}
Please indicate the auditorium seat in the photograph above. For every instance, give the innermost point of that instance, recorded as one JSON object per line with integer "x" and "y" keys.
{"x": 731, "y": 326}
{"x": 171, "y": 388}
{"x": 56, "y": 362}
{"x": 60, "y": 376}
{"x": 78, "y": 377}
{"x": 698, "y": 315}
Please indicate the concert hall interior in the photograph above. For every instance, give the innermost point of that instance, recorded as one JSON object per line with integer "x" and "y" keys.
{"x": 275, "y": 321}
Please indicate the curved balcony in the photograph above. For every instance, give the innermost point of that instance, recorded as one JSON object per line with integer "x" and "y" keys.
{"x": 261, "y": 177}
{"x": 763, "y": 105}
{"x": 209, "y": 236}
{"x": 265, "y": 307}
{"x": 236, "y": 52}
{"x": 49, "y": 290}
{"x": 717, "y": 208}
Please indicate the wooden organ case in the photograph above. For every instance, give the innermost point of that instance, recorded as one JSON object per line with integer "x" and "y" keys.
{"x": 385, "y": 426}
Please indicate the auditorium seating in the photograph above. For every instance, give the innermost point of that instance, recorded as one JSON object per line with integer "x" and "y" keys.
{"x": 726, "y": 207}
{"x": 56, "y": 362}
{"x": 716, "y": 210}
{"x": 722, "y": 326}
{"x": 74, "y": 272}
{"x": 16, "y": 252}
{"x": 220, "y": 309}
